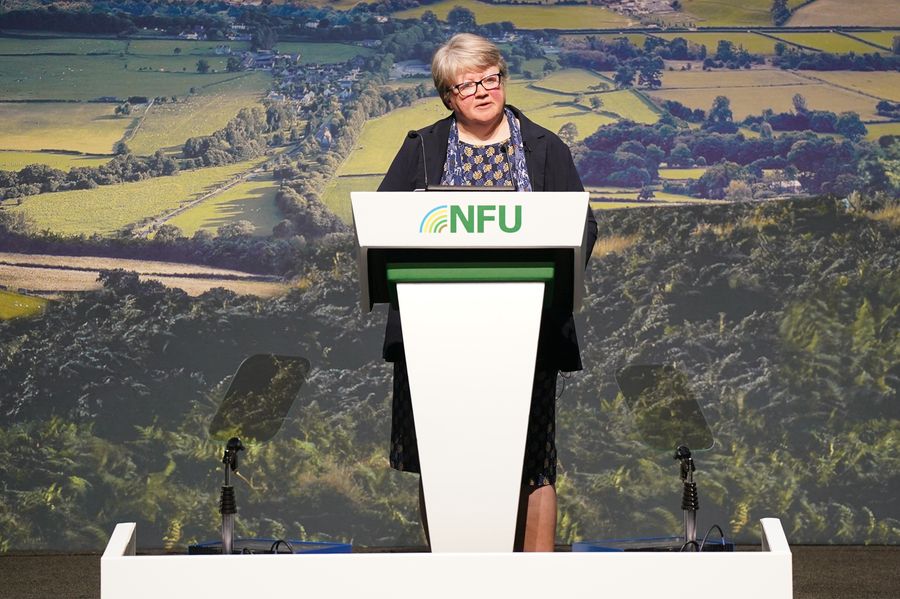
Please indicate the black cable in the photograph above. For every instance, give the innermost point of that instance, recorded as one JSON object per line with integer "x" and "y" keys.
{"x": 276, "y": 544}
{"x": 694, "y": 543}
{"x": 565, "y": 376}
{"x": 706, "y": 536}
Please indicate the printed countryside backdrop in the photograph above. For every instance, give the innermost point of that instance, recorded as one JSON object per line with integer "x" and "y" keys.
{"x": 174, "y": 197}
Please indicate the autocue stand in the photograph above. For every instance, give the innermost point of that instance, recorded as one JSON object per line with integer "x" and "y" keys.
{"x": 227, "y": 503}
{"x": 690, "y": 501}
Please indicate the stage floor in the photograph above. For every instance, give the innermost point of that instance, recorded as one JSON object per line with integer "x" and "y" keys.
{"x": 820, "y": 572}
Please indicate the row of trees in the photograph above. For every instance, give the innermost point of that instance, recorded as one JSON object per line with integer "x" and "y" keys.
{"x": 629, "y": 154}
{"x": 40, "y": 178}
{"x": 795, "y": 58}
{"x": 248, "y": 135}
{"x": 644, "y": 66}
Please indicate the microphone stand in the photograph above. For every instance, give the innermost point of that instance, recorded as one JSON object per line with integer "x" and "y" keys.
{"x": 690, "y": 501}
{"x": 227, "y": 503}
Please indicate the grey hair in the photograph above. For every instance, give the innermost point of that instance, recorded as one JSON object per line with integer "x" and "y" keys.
{"x": 464, "y": 52}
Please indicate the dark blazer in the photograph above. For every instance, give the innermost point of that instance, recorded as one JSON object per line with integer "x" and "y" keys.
{"x": 550, "y": 168}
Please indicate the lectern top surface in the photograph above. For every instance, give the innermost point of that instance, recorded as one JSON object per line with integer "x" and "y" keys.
{"x": 469, "y": 220}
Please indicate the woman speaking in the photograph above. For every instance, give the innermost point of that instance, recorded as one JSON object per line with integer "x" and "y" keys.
{"x": 486, "y": 142}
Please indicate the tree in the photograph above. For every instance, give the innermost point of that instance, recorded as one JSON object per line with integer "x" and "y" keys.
{"x": 120, "y": 149}
{"x": 202, "y": 66}
{"x": 167, "y": 234}
{"x": 738, "y": 191}
{"x": 265, "y": 38}
{"x": 284, "y": 229}
{"x": 720, "y": 117}
{"x": 780, "y": 12}
{"x": 849, "y": 125}
{"x": 123, "y": 109}
{"x": 725, "y": 50}
{"x": 241, "y": 228}
{"x": 646, "y": 194}
{"x": 681, "y": 156}
{"x": 650, "y": 71}
{"x": 176, "y": 51}
{"x": 568, "y": 133}
{"x": 624, "y": 76}
{"x": 895, "y": 46}
{"x": 800, "y": 104}
{"x": 596, "y": 102}
{"x": 461, "y": 18}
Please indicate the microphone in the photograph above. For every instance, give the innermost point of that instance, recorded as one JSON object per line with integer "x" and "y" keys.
{"x": 415, "y": 135}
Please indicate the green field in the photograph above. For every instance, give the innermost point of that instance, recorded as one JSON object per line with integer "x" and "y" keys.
{"x": 828, "y": 42}
{"x": 555, "y": 116}
{"x": 60, "y": 45}
{"x": 407, "y": 82}
{"x": 14, "y": 305}
{"x": 752, "y": 91}
{"x": 109, "y": 208}
{"x": 323, "y": 53}
{"x": 88, "y": 77}
{"x": 90, "y": 128}
{"x": 636, "y": 39}
{"x": 884, "y": 84}
{"x": 752, "y": 42}
{"x": 876, "y": 130}
{"x": 825, "y": 13}
{"x": 252, "y": 201}
{"x": 882, "y": 38}
{"x": 753, "y": 100}
{"x": 337, "y": 194}
{"x": 628, "y": 105}
{"x": 527, "y": 16}
{"x": 698, "y": 79}
{"x": 187, "y": 47}
{"x": 681, "y": 173}
{"x": 13, "y": 161}
{"x": 168, "y": 125}
{"x": 575, "y": 81}
{"x": 729, "y": 12}
{"x": 381, "y": 137}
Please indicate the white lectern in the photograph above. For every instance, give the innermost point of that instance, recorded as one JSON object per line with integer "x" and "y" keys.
{"x": 471, "y": 273}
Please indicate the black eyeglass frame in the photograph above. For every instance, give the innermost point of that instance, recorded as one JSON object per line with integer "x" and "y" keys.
{"x": 480, "y": 82}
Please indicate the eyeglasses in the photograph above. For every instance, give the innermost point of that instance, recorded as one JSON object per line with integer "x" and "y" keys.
{"x": 468, "y": 88}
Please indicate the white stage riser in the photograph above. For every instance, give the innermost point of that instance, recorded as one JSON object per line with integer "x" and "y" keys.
{"x": 740, "y": 575}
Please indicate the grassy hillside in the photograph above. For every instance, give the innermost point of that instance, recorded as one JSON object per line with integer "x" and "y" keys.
{"x": 88, "y": 77}
{"x": 13, "y": 160}
{"x": 168, "y": 125}
{"x": 824, "y": 13}
{"x": 753, "y": 91}
{"x": 107, "y": 209}
{"x": 252, "y": 201}
{"x": 528, "y": 16}
{"x": 723, "y": 13}
{"x": 15, "y": 305}
{"x": 828, "y": 42}
{"x": 92, "y": 128}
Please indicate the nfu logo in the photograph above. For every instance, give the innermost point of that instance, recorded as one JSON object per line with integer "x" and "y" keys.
{"x": 473, "y": 218}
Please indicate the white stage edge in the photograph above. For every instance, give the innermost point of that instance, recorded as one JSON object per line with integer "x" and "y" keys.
{"x": 739, "y": 575}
